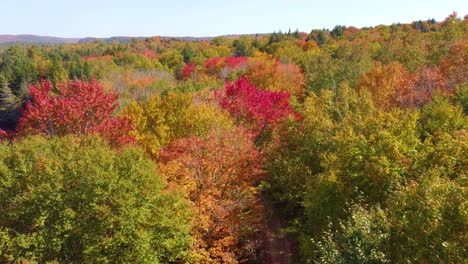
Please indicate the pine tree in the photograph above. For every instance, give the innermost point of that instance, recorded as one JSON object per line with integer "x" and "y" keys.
{"x": 8, "y": 100}
{"x": 9, "y": 104}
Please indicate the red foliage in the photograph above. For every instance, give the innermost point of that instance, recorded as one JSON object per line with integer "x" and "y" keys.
{"x": 259, "y": 110}
{"x": 149, "y": 53}
{"x": 350, "y": 31}
{"x": 236, "y": 62}
{"x": 213, "y": 65}
{"x": 222, "y": 67}
{"x": 304, "y": 35}
{"x": 220, "y": 174}
{"x": 423, "y": 85}
{"x": 188, "y": 70}
{"x": 78, "y": 108}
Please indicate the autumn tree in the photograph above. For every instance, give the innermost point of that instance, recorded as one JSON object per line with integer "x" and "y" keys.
{"x": 426, "y": 83}
{"x": 453, "y": 66}
{"x": 220, "y": 174}
{"x": 188, "y": 70}
{"x": 258, "y": 110}
{"x": 225, "y": 67}
{"x": 386, "y": 84}
{"x": 163, "y": 119}
{"x": 77, "y": 107}
{"x": 269, "y": 74}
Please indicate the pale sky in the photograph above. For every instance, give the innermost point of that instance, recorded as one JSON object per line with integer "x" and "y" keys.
{"x": 105, "y": 18}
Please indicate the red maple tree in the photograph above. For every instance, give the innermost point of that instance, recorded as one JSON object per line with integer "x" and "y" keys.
{"x": 258, "y": 110}
{"x": 77, "y": 107}
{"x": 188, "y": 70}
{"x": 236, "y": 62}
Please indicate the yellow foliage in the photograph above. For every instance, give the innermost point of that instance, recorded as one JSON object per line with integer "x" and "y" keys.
{"x": 162, "y": 119}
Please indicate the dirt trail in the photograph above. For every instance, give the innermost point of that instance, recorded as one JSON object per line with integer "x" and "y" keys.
{"x": 278, "y": 248}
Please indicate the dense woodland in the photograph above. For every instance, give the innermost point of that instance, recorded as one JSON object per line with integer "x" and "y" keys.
{"x": 163, "y": 150}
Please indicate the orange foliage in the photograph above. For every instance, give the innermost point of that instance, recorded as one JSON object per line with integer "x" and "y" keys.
{"x": 392, "y": 86}
{"x": 454, "y": 67}
{"x": 386, "y": 84}
{"x": 269, "y": 74}
{"x": 309, "y": 45}
{"x": 219, "y": 174}
{"x": 142, "y": 82}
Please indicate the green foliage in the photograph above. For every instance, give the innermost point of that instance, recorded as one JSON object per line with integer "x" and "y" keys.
{"x": 8, "y": 100}
{"x": 362, "y": 238}
{"x": 327, "y": 70}
{"x": 243, "y": 46}
{"x": 461, "y": 97}
{"x": 320, "y": 71}
{"x": 17, "y": 68}
{"x": 78, "y": 201}
{"x": 9, "y": 108}
{"x": 337, "y": 31}
{"x": 405, "y": 170}
{"x": 172, "y": 59}
{"x": 429, "y": 219}
{"x": 78, "y": 69}
{"x": 188, "y": 53}
{"x": 441, "y": 116}
{"x": 320, "y": 36}
{"x": 425, "y": 222}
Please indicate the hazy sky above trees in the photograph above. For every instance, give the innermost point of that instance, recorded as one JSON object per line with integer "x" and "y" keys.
{"x": 104, "y": 18}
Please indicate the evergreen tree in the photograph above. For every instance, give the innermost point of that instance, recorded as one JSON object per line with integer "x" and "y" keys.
{"x": 9, "y": 112}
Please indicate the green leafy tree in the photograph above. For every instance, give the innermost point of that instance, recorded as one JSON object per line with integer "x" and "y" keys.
{"x": 243, "y": 47}
{"x": 362, "y": 238}
{"x": 442, "y": 116}
{"x": 461, "y": 97}
{"x": 188, "y": 53}
{"x": 429, "y": 220}
{"x": 75, "y": 200}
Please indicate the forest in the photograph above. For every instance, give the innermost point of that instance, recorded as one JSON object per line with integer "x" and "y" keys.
{"x": 343, "y": 145}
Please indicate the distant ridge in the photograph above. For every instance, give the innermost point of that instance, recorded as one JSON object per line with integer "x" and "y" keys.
{"x": 123, "y": 39}
{"x": 35, "y": 39}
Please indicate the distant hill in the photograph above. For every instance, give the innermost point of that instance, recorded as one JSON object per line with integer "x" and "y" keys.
{"x": 35, "y": 39}
{"x": 122, "y": 39}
